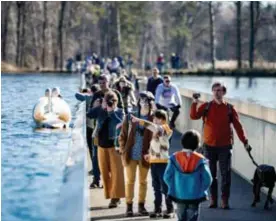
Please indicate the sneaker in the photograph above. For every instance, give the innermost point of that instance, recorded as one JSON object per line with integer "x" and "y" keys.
{"x": 129, "y": 210}
{"x": 95, "y": 184}
{"x": 142, "y": 210}
{"x": 168, "y": 214}
{"x": 114, "y": 203}
{"x": 156, "y": 213}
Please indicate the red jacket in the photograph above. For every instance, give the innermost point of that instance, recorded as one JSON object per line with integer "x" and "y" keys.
{"x": 217, "y": 129}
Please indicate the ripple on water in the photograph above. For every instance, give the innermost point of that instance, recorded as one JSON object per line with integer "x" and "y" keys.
{"x": 32, "y": 160}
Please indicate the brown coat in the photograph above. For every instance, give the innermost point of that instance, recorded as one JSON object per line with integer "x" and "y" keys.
{"x": 127, "y": 141}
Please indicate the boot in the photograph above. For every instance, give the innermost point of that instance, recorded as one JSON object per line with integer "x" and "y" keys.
{"x": 114, "y": 203}
{"x": 129, "y": 210}
{"x": 213, "y": 203}
{"x": 224, "y": 203}
{"x": 142, "y": 210}
{"x": 156, "y": 213}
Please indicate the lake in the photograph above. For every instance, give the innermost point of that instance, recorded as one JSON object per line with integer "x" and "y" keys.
{"x": 254, "y": 90}
{"x": 32, "y": 161}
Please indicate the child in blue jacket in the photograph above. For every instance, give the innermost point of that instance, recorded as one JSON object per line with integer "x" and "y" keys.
{"x": 188, "y": 178}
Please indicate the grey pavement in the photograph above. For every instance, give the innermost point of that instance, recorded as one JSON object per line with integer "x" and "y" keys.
{"x": 241, "y": 199}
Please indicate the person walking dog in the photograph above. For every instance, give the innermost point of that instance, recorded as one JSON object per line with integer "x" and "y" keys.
{"x": 218, "y": 117}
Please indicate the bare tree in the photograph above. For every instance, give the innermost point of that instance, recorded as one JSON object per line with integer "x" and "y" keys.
{"x": 212, "y": 35}
{"x": 252, "y": 36}
{"x": 5, "y": 27}
{"x": 19, "y": 28}
{"x": 115, "y": 32}
{"x": 44, "y": 34}
{"x": 60, "y": 34}
{"x": 238, "y": 41}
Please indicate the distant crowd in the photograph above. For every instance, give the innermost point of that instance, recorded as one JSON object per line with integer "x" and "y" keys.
{"x": 114, "y": 65}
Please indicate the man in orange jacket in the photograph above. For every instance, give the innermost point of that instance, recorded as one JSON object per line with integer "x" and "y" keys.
{"x": 218, "y": 116}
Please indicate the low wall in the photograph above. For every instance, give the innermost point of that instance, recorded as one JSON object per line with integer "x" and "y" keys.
{"x": 73, "y": 201}
{"x": 259, "y": 123}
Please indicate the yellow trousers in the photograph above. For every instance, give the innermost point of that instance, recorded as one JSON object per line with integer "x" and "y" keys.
{"x": 112, "y": 173}
{"x": 131, "y": 177}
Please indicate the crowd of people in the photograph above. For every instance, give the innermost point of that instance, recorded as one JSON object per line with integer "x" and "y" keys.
{"x": 129, "y": 130}
{"x": 90, "y": 62}
{"x": 116, "y": 64}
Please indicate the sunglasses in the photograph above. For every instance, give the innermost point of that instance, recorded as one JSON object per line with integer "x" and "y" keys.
{"x": 102, "y": 82}
{"x": 167, "y": 81}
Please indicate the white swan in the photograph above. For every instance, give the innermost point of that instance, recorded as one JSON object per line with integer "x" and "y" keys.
{"x": 52, "y": 111}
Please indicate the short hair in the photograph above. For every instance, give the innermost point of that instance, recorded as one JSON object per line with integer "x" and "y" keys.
{"x": 190, "y": 140}
{"x": 95, "y": 88}
{"x": 219, "y": 84}
{"x": 167, "y": 77}
{"x": 103, "y": 77}
{"x": 161, "y": 114}
{"x": 155, "y": 69}
{"x": 111, "y": 96}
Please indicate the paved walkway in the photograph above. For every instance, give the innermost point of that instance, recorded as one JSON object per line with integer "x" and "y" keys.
{"x": 241, "y": 198}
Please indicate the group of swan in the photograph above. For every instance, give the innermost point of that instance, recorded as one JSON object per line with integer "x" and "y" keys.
{"x": 51, "y": 111}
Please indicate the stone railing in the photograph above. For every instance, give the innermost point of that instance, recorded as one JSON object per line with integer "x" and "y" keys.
{"x": 73, "y": 200}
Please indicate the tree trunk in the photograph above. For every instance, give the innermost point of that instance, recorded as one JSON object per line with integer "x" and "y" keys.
{"x": 212, "y": 35}
{"x": 239, "y": 49}
{"x": 22, "y": 38}
{"x": 44, "y": 57}
{"x": 5, "y": 29}
{"x": 252, "y": 36}
{"x": 18, "y": 31}
{"x": 60, "y": 34}
{"x": 114, "y": 29}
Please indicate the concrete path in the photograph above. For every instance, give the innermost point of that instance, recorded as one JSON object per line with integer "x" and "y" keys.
{"x": 241, "y": 198}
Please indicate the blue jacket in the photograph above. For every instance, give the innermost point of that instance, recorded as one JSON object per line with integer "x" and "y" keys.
{"x": 116, "y": 117}
{"x": 84, "y": 97}
{"x": 188, "y": 177}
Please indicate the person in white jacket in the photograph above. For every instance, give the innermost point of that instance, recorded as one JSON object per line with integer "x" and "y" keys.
{"x": 168, "y": 97}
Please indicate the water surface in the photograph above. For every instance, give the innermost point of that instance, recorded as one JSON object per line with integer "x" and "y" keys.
{"x": 254, "y": 90}
{"x": 32, "y": 161}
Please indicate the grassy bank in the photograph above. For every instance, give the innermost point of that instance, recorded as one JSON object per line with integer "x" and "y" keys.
{"x": 224, "y": 72}
{"x": 13, "y": 69}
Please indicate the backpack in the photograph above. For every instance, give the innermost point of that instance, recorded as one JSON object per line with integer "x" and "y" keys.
{"x": 207, "y": 108}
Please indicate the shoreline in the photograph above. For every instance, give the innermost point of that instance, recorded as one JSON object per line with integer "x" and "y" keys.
{"x": 198, "y": 73}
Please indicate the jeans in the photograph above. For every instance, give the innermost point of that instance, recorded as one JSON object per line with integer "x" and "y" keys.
{"x": 187, "y": 212}
{"x": 159, "y": 186}
{"x": 95, "y": 165}
{"x": 223, "y": 155}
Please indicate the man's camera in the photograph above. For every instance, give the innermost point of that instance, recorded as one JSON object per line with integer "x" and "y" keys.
{"x": 196, "y": 95}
